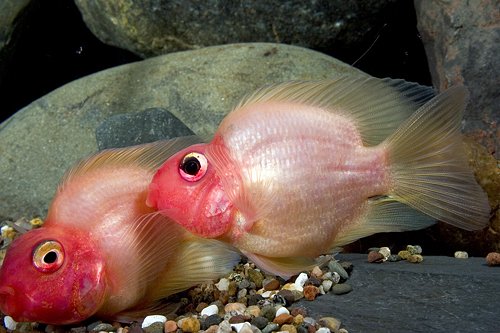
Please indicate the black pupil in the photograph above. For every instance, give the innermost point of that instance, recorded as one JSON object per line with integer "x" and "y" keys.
{"x": 50, "y": 257}
{"x": 191, "y": 166}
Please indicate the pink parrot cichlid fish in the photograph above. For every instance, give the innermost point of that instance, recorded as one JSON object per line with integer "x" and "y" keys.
{"x": 298, "y": 169}
{"x": 101, "y": 251}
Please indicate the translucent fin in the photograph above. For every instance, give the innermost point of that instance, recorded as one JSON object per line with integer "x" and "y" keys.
{"x": 378, "y": 106}
{"x": 384, "y": 215}
{"x": 155, "y": 241}
{"x": 430, "y": 169}
{"x": 149, "y": 156}
{"x": 285, "y": 267}
{"x": 254, "y": 196}
{"x": 198, "y": 260}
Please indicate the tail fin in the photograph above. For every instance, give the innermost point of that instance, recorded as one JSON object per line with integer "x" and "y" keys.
{"x": 429, "y": 166}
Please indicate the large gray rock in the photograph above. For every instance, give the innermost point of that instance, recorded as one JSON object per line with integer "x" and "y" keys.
{"x": 462, "y": 42}
{"x": 39, "y": 142}
{"x": 151, "y": 27}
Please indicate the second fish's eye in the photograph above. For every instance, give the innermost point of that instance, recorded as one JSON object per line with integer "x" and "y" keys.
{"x": 193, "y": 166}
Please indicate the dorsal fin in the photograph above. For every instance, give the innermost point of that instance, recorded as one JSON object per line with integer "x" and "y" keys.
{"x": 149, "y": 156}
{"x": 378, "y": 106}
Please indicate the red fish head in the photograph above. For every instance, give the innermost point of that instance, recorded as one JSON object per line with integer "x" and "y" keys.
{"x": 187, "y": 189}
{"x": 53, "y": 277}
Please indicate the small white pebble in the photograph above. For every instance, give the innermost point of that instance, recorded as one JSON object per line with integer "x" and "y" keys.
{"x": 267, "y": 294}
{"x": 385, "y": 251}
{"x": 301, "y": 279}
{"x": 149, "y": 320}
{"x": 323, "y": 330}
{"x": 282, "y": 310}
{"x": 461, "y": 255}
{"x": 9, "y": 323}
{"x": 322, "y": 290}
{"x": 327, "y": 285}
{"x": 209, "y": 310}
{"x": 240, "y": 327}
{"x": 223, "y": 284}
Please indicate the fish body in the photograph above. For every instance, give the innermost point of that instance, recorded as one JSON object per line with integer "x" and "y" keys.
{"x": 101, "y": 251}
{"x": 298, "y": 169}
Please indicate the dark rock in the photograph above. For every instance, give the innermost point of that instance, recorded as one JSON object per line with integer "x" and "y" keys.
{"x": 447, "y": 294}
{"x": 239, "y": 319}
{"x": 150, "y": 28}
{"x": 136, "y": 329}
{"x": 287, "y": 295}
{"x": 298, "y": 311}
{"x": 461, "y": 42}
{"x": 259, "y": 322}
{"x": 91, "y": 326}
{"x": 214, "y": 319}
{"x": 341, "y": 288}
{"x": 312, "y": 281}
{"x": 268, "y": 312}
{"x": 150, "y": 125}
{"x": 254, "y": 299}
{"x": 278, "y": 299}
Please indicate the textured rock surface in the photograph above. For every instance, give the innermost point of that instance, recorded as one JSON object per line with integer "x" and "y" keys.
{"x": 148, "y": 27}
{"x": 198, "y": 87}
{"x": 462, "y": 42}
{"x": 440, "y": 294}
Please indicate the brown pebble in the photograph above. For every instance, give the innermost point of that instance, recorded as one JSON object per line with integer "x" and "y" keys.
{"x": 239, "y": 319}
{"x": 201, "y": 306}
{"x": 289, "y": 328}
{"x": 283, "y": 318}
{"x": 272, "y": 285}
{"x": 287, "y": 295}
{"x": 224, "y": 297}
{"x": 313, "y": 281}
{"x": 189, "y": 308}
{"x": 310, "y": 292}
{"x": 311, "y": 329}
{"x": 191, "y": 325}
{"x": 298, "y": 320}
{"x": 170, "y": 326}
{"x": 375, "y": 256}
{"x": 493, "y": 258}
{"x": 317, "y": 272}
{"x": 296, "y": 311}
{"x": 415, "y": 258}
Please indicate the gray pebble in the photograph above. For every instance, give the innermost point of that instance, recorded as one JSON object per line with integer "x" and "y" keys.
{"x": 310, "y": 321}
{"x": 259, "y": 322}
{"x": 335, "y": 266}
{"x": 105, "y": 327}
{"x": 268, "y": 311}
{"x": 376, "y": 249}
{"x": 214, "y": 319}
{"x": 341, "y": 288}
{"x": 91, "y": 327}
{"x": 394, "y": 257}
{"x": 271, "y": 327}
{"x": 156, "y": 327}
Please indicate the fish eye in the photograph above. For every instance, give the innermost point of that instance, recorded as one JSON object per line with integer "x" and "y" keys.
{"x": 193, "y": 166}
{"x": 48, "y": 256}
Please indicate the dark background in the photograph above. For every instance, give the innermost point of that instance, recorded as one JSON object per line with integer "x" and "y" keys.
{"x": 52, "y": 46}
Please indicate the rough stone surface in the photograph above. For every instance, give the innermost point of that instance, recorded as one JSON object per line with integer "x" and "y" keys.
{"x": 441, "y": 294}
{"x": 42, "y": 140}
{"x": 462, "y": 42}
{"x": 148, "y": 27}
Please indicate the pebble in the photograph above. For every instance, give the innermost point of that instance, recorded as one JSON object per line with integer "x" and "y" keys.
{"x": 335, "y": 266}
{"x": 90, "y": 327}
{"x": 298, "y": 311}
{"x": 288, "y": 328}
{"x": 323, "y": 330}
{"x": 268, "y": 311}
{"x": 157, "y": 327}
{"x": 394, "y": 258}
{"x": 375, "y": 257}
{"x": 191, "y": 325}
{"x": 107, "y": 327}
{"x": 313, "y": 281}
{"x": 418, "y": 249}
{"x": 136, "y": 329}
{"x": 301, "y": 279}
{"x": 259, "y": 322}
{"x": 239, "y": 319}
{"x": 9, "y": 323}
{"x": 209, "y": 310}
{"x": 327, "y": 285}
{"x": 411, "y": 249}
{"x": 283, "y": 319}
{"x": 201, "y": 306}
{"x": 254, "y": 299}
{"x": 170, "y": 326}
{"x": 272, "y": 285}
{"x": 298, "y": 319}
{"x": 256, "y": 277}
{"x": 214, "y": 319}
{"x": 347, "y": 266}
{"x": 238, "y": 307}
{"x": 281, "y": 310}
{"x": 270, "y": 328}
{"x": 404, "y": 254}
{"x": 331, "y": 323}
{"x": 148, "y": 321}
{"x": 415, "y": 258}
{"x": 253, "y": 311}
{"x": 461, "y": 255}
{"x": 310, "y": 292}
{"x": 239, "y": 326}
{"x": 223, "y": 284}
{"x": 311, "y": 329}
{"x": 224, "y": 327}
{"x": 287, "y": 295}
{"x": 341, "y": 288}
{"x": 385, "y": 251}
{"x": 310, "y": 321}
{"x": 212, "y": 329}
{"x": 317, "y": 272}
{"x": 493, "y": 258}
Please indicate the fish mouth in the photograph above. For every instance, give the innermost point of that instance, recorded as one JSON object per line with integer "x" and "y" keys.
{"x": 7, "y": 300}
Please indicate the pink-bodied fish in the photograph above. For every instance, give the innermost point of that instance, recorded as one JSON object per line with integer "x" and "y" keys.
{"x": 101, "y": 251}
{"x": 298, "y": 169}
